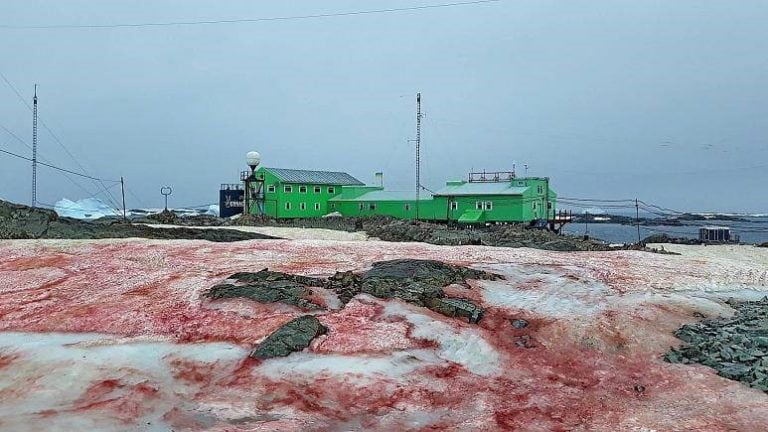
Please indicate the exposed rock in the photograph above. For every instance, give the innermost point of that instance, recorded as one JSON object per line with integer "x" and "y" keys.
{"x": 345, "y": 284}
{"x": 291, "y": 337}
{"x": 269, "y": 287}
{"x": 270, "y": 276}
{"x": 519, "y": 323}
{"x": 397, "y": 230}
{"x": 736, "y": 347}
{"x": 455, "y": 307}
{"x": 421, "y": 282}
{"x": 22, "y": 222}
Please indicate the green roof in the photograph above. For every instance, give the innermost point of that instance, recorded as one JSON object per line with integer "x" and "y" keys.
{"x": 313, "y": 177}
{"x": 477, "y": 188}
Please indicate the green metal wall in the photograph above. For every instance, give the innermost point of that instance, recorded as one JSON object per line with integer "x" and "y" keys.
{"x": 282, "y": 204}
{"x": 400, "y": 209}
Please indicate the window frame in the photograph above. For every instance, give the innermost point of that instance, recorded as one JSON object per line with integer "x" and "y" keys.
{"x": 331, "y": 190}
{"x": 271, "y": 188}
{"x": 488, "y": 206}
{"x": 318, "y": 189}
{"x": 317, "y": 206}
{"x": 288, "y": 205}
{"x": 303, "y": 187}
{"x": 287, "y": 188}
{"x": 454, "y": 205}
{"x": 372, "y": 206}
{"x": 407, "y": 207}
{"x": 303, "y": 206}
{"x": 361, "y": 206}
{"x": 479, "y": 205}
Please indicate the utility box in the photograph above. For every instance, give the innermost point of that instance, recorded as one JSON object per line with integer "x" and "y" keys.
{"x": 715, "y": 234}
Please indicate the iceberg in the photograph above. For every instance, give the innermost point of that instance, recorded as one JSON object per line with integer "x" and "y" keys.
{"x": 87, "y": 208}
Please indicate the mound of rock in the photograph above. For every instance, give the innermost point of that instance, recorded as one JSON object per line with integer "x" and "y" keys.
{"x": 291, "y": 337}
{"x": 736, "y": 347}
{"x": 269, "y": 287}
{"x": 23, "y": 222}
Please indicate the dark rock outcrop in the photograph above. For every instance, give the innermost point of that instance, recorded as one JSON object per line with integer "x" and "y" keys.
{"x": 291, "y": 337}
{"x": 23, "y": 222}
{"x": 270, "y": 287}
{"x": 736, "y": 347}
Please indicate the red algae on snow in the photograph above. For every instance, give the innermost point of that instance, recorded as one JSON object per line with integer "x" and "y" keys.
{"x": 115, "y": 335}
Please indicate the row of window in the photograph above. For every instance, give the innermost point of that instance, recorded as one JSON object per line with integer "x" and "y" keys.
{"x": 302, "y": 206}
{"x": 302, "y": 189}
{"x": 372, "y": 206}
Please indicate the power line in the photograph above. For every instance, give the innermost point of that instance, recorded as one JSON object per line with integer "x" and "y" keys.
{"x": 56, "y": 138}
{"x": 247, "y": 20}
{"x": 13, "y": 135}
{"x": 57, "y": 168}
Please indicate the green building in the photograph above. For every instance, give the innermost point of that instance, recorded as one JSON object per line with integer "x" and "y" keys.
{"x": 510, "y": 200}
{"x": 520, "y": 200}
{"x": 483, "y": 197}
{"x": 289, "y": 193}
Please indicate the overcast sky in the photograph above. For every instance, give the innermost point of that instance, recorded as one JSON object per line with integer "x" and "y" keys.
{"x": 662, "y": 100}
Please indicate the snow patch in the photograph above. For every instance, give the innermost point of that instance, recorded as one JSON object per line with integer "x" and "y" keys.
{"x": 465, "y": 346}
{"x": 394, "y": 365}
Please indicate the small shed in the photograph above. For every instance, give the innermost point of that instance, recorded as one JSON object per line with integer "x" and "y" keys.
{"x": 715, "y": 233}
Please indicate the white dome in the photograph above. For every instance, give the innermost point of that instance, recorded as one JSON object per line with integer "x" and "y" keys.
{"x": 253, "y": 158}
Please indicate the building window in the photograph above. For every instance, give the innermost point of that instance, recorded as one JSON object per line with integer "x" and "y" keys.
{"x": 271, "y": 188}
{"x": 540, "y": 189}
{"x": 534, "y": 206}
{"x": 331, "y": 190}
{"x": 407, "y": 207}
{"x": 489, "y": 205}
{"x": 287, "y": 206}
{"x": 372, "y": 206}
{"x": 317, "y": 206}
{"x": 287, "y": 188}
{"x": 302, "y": 189}
{"x": 454, "y": 205}
{"x": 303, "y": 206}
{"x": 361, "y": 205}
{"x": 479, "y": 205}
{"x": 317, "y": 189}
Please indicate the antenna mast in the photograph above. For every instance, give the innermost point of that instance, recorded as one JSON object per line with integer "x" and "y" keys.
{"x": 34, "y": 149}
{"x": 418, "y": 151}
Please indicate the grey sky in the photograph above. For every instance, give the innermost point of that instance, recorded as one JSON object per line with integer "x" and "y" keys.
{"x": 665, "y": 100}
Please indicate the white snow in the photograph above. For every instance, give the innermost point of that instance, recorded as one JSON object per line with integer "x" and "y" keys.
{"x": 557, "y": 292}
{"x": 465, "y": 346}
{"x": 394, "y": 365}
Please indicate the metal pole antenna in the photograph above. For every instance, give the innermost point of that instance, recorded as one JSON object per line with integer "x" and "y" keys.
{"x": 637, "y": 219}
{"x": 122, "y": 189}
{"x": 34, "y": 149}
{"x": 418, "y": 152}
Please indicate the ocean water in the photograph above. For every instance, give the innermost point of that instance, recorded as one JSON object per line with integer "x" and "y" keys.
{"x": 755, "y": 230}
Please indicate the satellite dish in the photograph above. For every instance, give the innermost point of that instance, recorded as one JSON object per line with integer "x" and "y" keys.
{"x": 253, "y": 159}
